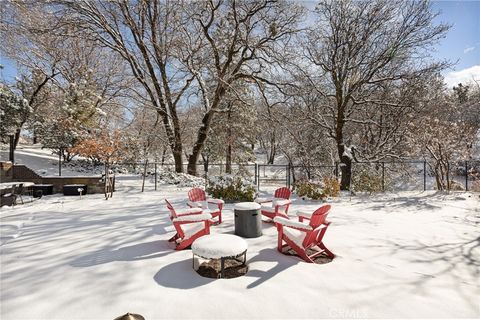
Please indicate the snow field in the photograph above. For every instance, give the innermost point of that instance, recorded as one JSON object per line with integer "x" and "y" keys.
{"x": 398, "y": 255}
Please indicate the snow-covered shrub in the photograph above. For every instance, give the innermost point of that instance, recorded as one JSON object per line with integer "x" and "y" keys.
{"x": 456, "y": 186}
{"x": 231, "y": 188}
{"x": 180, "y": 179}
{"x": 365, "y": 181}
{"x": 331, "y": 187}
{"x": 85, "y": 166}
{"x": 475, "y": 186}
{"x": 309, "y": 190}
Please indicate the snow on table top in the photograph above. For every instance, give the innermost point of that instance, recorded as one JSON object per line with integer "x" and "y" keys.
{"x": 247, "y": 206}
{"x": 398, "y": 255}
{"x": 216, "y": 246}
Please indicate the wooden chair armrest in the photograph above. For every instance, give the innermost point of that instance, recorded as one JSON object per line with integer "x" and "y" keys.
{"x": 192, "y": 218}
{"x": 292, "y": 224}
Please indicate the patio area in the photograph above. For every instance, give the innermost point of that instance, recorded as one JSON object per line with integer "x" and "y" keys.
{"x": 409, "y": 254}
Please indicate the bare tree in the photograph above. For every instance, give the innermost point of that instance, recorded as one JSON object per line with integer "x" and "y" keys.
{"x": 231, "y": 41}
{"x": 50, "y": 62}
{"x": 445, "y": 130}
{"x": 364, "y": 51}
{"x": 145, "y": 34}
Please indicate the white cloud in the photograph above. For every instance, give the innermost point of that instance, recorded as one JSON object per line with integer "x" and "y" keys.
{"x": 467, "y": 50}
{"x": 463, "y": 76}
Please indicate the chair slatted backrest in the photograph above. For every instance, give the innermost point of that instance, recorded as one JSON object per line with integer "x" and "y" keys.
{"x": 283, "y": 193}
{"x": 173, "y": 215}
{"x": 197, "y": 194}
{"x": 318, "y": 218}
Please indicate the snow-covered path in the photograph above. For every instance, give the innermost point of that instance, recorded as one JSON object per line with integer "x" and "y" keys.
{"x": 402, "y": 255}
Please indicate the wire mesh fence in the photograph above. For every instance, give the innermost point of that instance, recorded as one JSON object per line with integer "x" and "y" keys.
{"x": 366, "y": 176}
{"x": 370, "y": 176}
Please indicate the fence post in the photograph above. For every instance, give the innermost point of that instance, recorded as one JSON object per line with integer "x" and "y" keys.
{"x": 155, "y": 175}
{"x": 256, "y": 169}
{"x": 258, "y": 180}
{"x": 466, "y": 175}
{"x": 383, "y": 176}
{"x": 289, "y": 176}
{"x": 448, "y": 176}
{"x": 424, "y": 175}
{"x": 287, "y": 173}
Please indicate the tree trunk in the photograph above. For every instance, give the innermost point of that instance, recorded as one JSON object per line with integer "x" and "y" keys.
{"x": 12, "y": 149}
{"x": 228, "y": 156}
{"x": 205, "y": 164}
{"x": 346, "y": 171}
{"x": 292, "y": 170}
{"x": 228, "y": 160}
{"x": 144, "y": 174}
{"x": 345, "y": 167}
{"x": 17, "y": 138}
{"x": 345, "y": 160}
{"x": 197, "y": 148}
{"x": 438, "y": 178}
{"x": 177, "y": 157}
{"x": 178, "y": 149}
{"x": 273, "y": 150}
{"x": 203, "y": 132}
{"x": 164, "y": 152}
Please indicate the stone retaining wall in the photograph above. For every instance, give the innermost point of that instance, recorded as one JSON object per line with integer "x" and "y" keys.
{"x": 94, "y": 184}
{"x": 21, "y": 173}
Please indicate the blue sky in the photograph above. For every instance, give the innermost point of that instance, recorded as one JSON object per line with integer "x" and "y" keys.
{"x": 462, "y": 42}
{"x": 463, "y": 39}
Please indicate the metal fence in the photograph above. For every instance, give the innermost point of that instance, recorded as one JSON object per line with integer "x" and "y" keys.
{"x": 389, "y": 175}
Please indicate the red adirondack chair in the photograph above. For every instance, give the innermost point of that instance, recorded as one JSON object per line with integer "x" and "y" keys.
{"x": 306, "y": 215}
{"x": 280, "y": 203}
{"x": 198, "y": 199}
{"x": 300, "y": 236}
{"x": 190, "y": 225}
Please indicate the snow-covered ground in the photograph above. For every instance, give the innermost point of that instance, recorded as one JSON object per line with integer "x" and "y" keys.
{"x": 42, "y": 161}
{"x": 409, "y": 254}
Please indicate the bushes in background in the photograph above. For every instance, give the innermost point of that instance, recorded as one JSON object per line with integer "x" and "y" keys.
{"x": 231, "y": 188}
{"x": 329, "y": 187}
